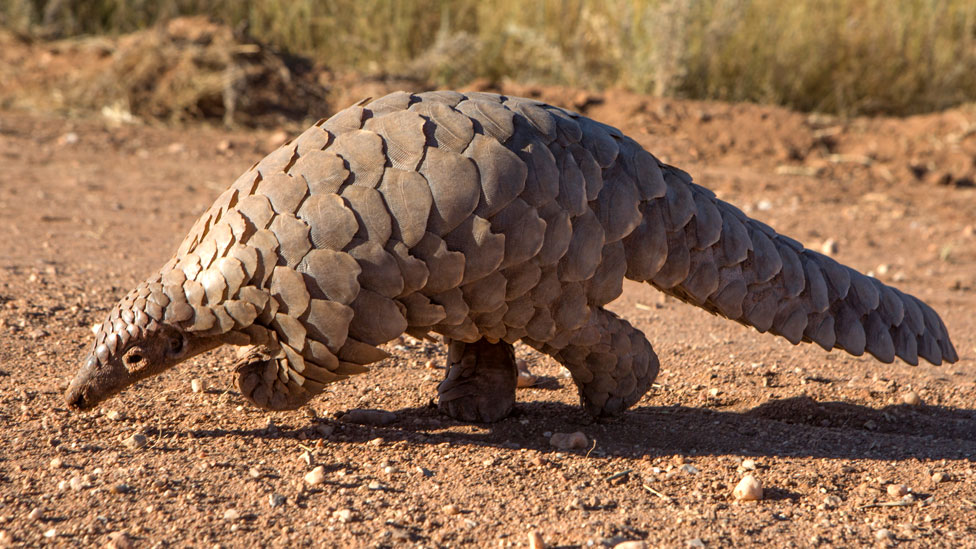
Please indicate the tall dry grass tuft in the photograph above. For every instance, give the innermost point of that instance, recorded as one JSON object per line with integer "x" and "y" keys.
{"x": 842, "y": 56}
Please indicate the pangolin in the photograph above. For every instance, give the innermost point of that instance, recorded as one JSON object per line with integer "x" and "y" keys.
{"x": 486, "y": 219}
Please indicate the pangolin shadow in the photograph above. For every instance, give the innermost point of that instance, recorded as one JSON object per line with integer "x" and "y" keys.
{"x": 795, "y": 427}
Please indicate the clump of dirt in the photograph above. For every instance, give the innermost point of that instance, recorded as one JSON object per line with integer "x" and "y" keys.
{"x": 186, "y": 69}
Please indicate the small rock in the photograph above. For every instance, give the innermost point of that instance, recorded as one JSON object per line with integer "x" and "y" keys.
{"x": 136, "y": 441}
{"x": 884, "y": 534}
{"x": 324, "y": 429}
{"x": 749, "y": 464}
{"x": 450, "y": 509}
{"x": 50, "y": 533}
{"x": 911, "y": 398}
{"x": 536, "y": 541}
{"x": 69, "y": 138}
{"x": 689, "y": 468}
{"x": 276, "y": 500}
{"x": 76, "y": 483}
{"x": 35, "y": 514}
{"x": 525, "y": 381}
{"x": 198, "y": 385}
{"x": 344, "y": 515}
{"x": 316, "y": 476}
{"x": 113, "y": 415}
{"x": 119, "y": 540}
{"x": 6, "y": 539}
{"x": 829, "y": 247}
{"x": 697, "y": 542}
{"x": 748, "y": 489}
{"x": 569, "y": 441}
{"x": 369, "y": 417}
{"x": 277, "y": 139}
{"x": 374, "y": 485}
{"x": 631, "y": 545}
{"x": 232, "y": 514}
{"x": 56, "y": 463}
{"x": 525, "y": 377}
{"x": 832, "y": 501}
{"x": 940, "y": 477}
{"x": 897, "y": 490}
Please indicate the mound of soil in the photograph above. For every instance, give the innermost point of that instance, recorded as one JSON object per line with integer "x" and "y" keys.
{"x": 183, "y": 70}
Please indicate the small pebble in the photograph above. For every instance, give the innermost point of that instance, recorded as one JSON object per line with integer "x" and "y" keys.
{"x": 690, "y": 469}
{"x": 748, "y": 489}
{"x": 884, "y": 534}
{"x": 749, "y": 464}
{"x": 232, "y": 514}
{"x": 536, "y": 541}
{"x": 324, "y": 430}
{"x": 56, "y": 463}
{"x": 911, "y": 398}
{"x": 631, "y": 545}
{"x": 374, "y": 485}
{"x": 832, "y": 501}
{"x": 136, "y": 441}
{"x": 35, "y": 514}
{"x": 76, "y": 483}
{"x": 897, "y": 490}
{"x": 940, "y": 477}
{"x": 697, "y": 542}
{"x": 276, "y": 500}
{"x": 450, "y": 509}
{"x": 198, "y": 385}
{"x": 829, "y": 247}
{"x": 316, "y": 476}
{"x": 50, "y": 533}
{"x": 119, "y": 540}
{"x": 369, "y": 417}
{"x": 569, "y": 441}
{"x": 277, "y": 139}
{"x": 525, "y": 377}
{"x": 6, "y": 539}
{"x": 344, "y": 515}
{"x": 113, "y": 415}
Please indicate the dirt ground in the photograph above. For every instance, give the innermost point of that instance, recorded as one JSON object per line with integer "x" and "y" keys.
{"x": 91, "y": 207}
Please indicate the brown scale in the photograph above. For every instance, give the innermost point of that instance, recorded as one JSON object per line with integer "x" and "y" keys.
{"x": 488, "y": 220}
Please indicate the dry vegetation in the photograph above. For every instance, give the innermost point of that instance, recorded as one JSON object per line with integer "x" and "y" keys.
{"x": 841, "y": 56}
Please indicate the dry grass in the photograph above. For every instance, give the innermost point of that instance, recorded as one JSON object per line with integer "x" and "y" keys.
{"x": 842, "y": 56}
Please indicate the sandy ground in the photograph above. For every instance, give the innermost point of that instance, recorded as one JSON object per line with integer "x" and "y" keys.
{"x": 90, "y": 208}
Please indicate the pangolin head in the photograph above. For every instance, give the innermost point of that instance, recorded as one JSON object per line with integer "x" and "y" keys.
{"x": 130, "y": 346}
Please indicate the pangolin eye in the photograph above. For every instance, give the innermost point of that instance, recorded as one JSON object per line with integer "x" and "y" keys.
{"x": 175, "y": 345}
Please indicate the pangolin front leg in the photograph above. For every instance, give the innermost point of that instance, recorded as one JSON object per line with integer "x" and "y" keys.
{"x": 480, "y": 382}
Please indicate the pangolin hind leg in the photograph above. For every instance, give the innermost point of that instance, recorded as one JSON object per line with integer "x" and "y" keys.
{"x": 611, "y": 362}
{"x": 480, "y": 381}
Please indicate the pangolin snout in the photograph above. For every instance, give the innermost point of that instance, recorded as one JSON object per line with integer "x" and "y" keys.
{"x": 75, "y": 395}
